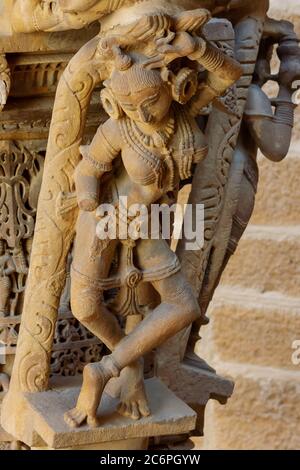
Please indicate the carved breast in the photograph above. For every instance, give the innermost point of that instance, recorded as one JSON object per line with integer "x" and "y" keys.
{"x": 138, "y": 168}
{"x": 144, "y": 165}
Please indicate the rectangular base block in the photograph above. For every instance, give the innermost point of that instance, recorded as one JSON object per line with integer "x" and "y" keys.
{"x": 170, "y": 416}
{"x": 138, "y": 443}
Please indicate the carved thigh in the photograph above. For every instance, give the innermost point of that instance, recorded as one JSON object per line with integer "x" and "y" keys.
{"x": 92, "y": 257}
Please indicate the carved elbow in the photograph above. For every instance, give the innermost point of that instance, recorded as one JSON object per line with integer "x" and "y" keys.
{"x": 275, "y": 151}
{"x": 272, "y": 138}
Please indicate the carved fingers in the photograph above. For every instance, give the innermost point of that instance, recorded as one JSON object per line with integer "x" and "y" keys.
{"x": 172, "y": 47}
{"x": 192, "y": 21}
{"x": 150, "y": 26}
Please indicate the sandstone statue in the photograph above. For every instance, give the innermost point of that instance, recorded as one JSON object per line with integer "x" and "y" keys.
{"x": 181, "y": 84}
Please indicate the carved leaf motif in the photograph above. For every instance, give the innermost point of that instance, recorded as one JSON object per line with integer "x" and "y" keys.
{"x": 54, "y": 231}
{"x": 18, "y": 206}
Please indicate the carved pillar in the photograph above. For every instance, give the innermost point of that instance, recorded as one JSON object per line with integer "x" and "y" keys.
{"x": 24, "y": 128}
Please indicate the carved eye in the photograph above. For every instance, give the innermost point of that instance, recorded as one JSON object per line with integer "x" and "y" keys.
{"x": 151, "y": 100}
{"x": 128, "y": 107}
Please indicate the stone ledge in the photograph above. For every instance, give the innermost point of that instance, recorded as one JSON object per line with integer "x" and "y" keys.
{"x": 267, "y": 259}
{"x": 263, "y": 413}
{"x": 252, "y": 327}
{"x": 253, "y": 298}
{"x": 278, "y": 197}
{"x": 288, "y": 7}
{"x": 272, "y": 232}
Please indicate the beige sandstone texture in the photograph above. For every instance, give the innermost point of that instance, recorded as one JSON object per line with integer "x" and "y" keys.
{"x": 158, "y": 140}
{"x": 255, "y": 315}
{"x": 169, "y": 416}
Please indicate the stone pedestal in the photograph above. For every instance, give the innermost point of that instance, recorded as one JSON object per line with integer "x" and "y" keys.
{"x": 170, "y": 416}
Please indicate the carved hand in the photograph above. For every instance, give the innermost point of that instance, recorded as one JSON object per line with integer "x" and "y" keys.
{"x": 87, "y": 187}
{"x": 168, "y": 49}
{"x": 182, "y": 45}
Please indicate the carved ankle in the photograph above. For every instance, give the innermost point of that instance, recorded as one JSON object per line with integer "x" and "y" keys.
{"x": 111, "y": 366}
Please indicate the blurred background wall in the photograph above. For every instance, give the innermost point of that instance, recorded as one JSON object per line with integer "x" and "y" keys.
{"x": 255, "y": 315}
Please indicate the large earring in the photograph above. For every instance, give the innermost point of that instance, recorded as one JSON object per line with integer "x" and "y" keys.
{"x": 110, "y": 104}
{"x": 185, "y": 85}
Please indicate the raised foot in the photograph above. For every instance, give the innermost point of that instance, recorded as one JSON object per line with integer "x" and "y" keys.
{"x": 95, "y": 377}
{"x": 134, "y": 403}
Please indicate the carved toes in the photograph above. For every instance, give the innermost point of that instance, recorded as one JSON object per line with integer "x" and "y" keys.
{"x": 134, "y": 409}
{"x": 144, "y": 408}
{"x": 75, "y": 417}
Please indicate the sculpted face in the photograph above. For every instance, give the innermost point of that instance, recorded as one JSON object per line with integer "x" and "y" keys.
{"x": 142, "y": 94}
{"x": 149, "y": 106}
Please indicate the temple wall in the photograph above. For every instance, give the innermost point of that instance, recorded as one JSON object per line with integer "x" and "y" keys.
{"x": 255, "y": 315}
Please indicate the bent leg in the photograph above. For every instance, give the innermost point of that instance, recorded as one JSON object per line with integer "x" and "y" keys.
{"x": 86, "y": 293}
{"x": 178, "y": 309}
{"x": 88, "y": 307}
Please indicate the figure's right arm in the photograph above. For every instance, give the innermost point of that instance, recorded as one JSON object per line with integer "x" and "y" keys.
{"x": 97, "y": 159}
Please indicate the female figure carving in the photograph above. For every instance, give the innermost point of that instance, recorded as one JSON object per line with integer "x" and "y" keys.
{"x": 148, "y": 145}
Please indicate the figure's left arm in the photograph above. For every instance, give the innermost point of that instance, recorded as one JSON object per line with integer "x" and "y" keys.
{"x": 222, "y": 71}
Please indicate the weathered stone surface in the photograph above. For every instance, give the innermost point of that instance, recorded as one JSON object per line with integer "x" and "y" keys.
{"x": 219, "y": 182}
{"x": 138, "y": 443}
{"x": 153, "y": 133}
{"x": 4, "y": 436}
{"x": 278, "y": 198}
{"x": 264, "y": 413}
{"x": 169, "y": 416}
{"x": 289, "y": 10}
{"x": 267, "y": 259}
{"x": 252, "y": 328}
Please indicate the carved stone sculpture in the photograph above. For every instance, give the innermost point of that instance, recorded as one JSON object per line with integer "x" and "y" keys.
{"x": 183, "y": 96}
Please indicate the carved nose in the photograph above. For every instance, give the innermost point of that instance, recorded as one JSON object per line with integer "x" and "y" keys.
{"x": 144, "y": 115}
